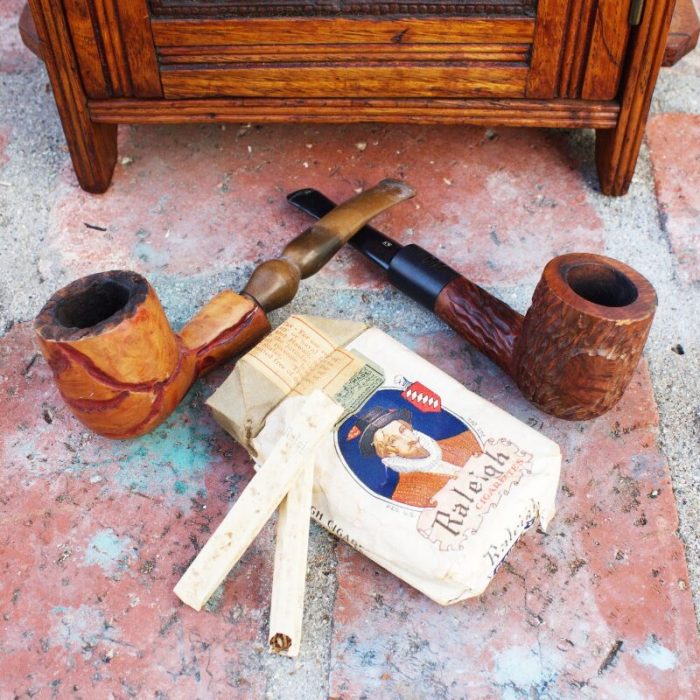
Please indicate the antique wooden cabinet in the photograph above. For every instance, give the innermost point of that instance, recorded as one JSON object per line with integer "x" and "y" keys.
{"x": 552, "y": 63}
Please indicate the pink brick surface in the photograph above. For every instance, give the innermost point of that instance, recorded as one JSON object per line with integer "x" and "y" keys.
{"x": 93, "y": 537}
{"x": 599, "y": 605}
{"x": 674, "y": 142}
{"x": 99, "y": 532}
{"x": 94, "y": 534}
{"x": 197, "y": 199}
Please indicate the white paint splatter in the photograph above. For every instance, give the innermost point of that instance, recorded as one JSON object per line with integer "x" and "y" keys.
{"x": 519, "y": 666}
{"x": 656, "y": 655}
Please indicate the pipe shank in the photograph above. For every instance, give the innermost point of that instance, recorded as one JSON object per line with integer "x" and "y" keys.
{"x": 228, "y": 325}
{"x": 491, "y": 326}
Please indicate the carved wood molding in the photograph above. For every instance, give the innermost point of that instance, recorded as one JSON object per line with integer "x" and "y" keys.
{"x": 617, "y": 149}
{"x": 593, "y": 53}
{"x": 330, "y": 8}
{"x": 114, "y": 47}
{"x": 482, "y": 112}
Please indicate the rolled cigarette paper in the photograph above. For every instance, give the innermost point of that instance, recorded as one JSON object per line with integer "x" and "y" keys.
{"x": 289, "y": 578}
{"x": 259, "y": 499}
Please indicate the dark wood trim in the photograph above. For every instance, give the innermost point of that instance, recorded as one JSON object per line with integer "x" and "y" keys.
{"x": 295, "y": 8}
{"x": 351, "y": 54}
{"x": 541, "y": 113}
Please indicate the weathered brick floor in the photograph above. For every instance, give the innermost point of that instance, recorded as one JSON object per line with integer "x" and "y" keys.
{"x": 95, "y": 533}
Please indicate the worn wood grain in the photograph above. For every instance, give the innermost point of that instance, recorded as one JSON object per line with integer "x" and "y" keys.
{"x": 577, "y": 41}
{"x": 547, "y": 48}
{"x": 140, "y": 51}
{"x": 93, "y": 147}
{"x": 114, "y": 47}
{"x": 552, "y": 113}
{"x": 617, "y": 149}
{"x": 257, "y": 32}
{"x": 609, "y": 38}
{"x": 88, "y": 47}
{"x": 336, "y": 81}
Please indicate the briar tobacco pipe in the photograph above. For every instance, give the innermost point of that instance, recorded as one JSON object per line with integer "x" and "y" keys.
{"x": 575, "y": 350}
{"x": 117, "y": 362}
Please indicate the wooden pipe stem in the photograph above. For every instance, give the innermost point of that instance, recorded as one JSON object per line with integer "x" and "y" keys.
{"x": 275, "y": 282}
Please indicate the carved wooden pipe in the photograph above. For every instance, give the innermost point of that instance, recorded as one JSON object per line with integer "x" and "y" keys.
{"x": 575, "y": 350}
{"x": 118, "y": 364}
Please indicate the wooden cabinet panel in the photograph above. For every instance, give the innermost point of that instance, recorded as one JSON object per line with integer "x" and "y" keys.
{"x": 547, "y": 48}
{"x": 309, "y": 33}
{"x": 406, "y": 57}
{"x": 609, "y": 37}
{"x": 362, "y": 81}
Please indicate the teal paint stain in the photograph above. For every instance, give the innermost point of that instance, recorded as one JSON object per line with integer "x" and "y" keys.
{"x": 656, "y": 655}
{"x": 80, "y": 628}
{"x": 169, "y": 462}
{"x": 109, "y": 551}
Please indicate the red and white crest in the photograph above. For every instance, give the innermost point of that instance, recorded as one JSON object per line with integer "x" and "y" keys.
{"x": 422, "y": 398}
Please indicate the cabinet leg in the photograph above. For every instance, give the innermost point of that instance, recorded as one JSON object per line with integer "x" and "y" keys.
{"x": 93, "y": 150}
{"x": 616, "y": 158}
{"x": 617, "y": 149}
{"x": 93, "y": 147}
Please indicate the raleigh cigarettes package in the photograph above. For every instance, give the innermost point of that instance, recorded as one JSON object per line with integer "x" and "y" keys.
{"x": 424, "y": 477}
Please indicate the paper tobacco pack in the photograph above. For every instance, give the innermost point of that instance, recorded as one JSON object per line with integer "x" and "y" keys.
{"x": 424, "y": 477}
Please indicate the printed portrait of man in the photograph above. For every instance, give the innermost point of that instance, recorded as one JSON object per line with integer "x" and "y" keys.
{"x": 424, "y": 465}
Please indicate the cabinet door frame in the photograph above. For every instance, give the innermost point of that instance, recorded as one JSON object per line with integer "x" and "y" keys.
{"x": 114, "y": 47}
{"x": 579, "y": 49}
